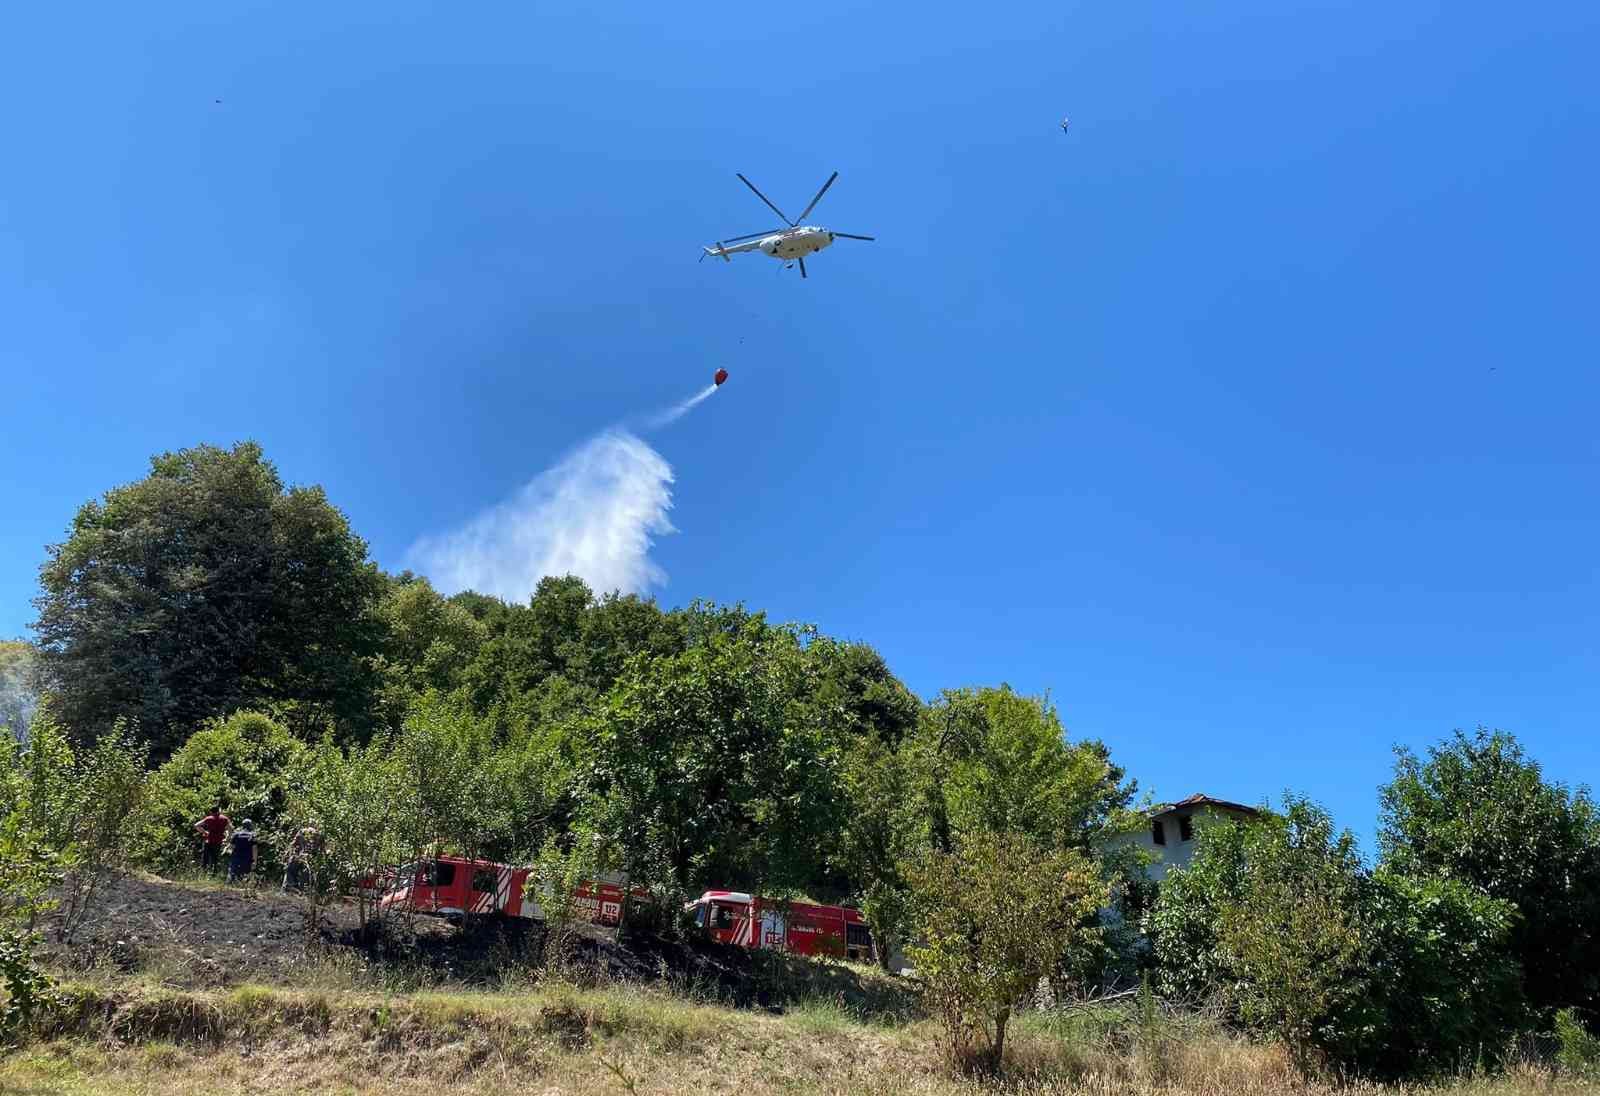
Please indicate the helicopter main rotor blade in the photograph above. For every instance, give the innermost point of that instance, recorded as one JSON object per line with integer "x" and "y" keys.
{"x": 818, "y": 198}
{"x": 802, "y": 267}
{"x": 851, "y": 235}
{"x": 784, "y": 216}
{"x": 748, "y": 236}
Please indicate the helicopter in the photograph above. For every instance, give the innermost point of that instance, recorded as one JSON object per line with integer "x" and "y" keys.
{"x": 791, "y": 244}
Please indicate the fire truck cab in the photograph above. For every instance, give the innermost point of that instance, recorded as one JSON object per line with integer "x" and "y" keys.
{"x": 735, "y": 917}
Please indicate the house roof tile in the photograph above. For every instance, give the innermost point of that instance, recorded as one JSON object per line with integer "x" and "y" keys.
{"x": 1199, "y": 799}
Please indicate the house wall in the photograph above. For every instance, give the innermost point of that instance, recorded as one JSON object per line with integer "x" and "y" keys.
{"x": 1177, "y": 852}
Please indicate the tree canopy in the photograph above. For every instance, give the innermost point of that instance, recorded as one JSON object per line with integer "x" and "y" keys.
{"x": 205, "y": 587}
{"x": 1480, "y": 811}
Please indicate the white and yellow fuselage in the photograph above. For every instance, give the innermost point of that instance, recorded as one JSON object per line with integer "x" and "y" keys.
{"x": 788, "y": 245}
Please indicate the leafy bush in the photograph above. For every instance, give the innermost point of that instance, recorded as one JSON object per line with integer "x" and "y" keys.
{"x": 1190, "y": 965}
{"x": 1293, "y": 939}
{"x": 995, "y": 917}
{"x": 107, "y": 784}
{"x": 1443, "y": 972}
{"x": 247, "y": 763}
{"x": 1579, "y": 1052}
{"x": 1375, "y": 971}
{"x": 1480, "y": 811}
{"x": 366, "y": 810}
{"x": 47, "y": 823}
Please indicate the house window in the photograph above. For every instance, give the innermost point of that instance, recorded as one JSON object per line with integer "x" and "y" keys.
{"x": 1185, "y": 829}
{"x": 1158, "y": 831}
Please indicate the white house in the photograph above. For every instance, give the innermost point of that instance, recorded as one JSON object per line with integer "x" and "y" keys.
{"x": 1170, "y": 836}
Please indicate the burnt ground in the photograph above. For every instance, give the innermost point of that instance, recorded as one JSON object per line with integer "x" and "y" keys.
{"x": 200, "y": 935}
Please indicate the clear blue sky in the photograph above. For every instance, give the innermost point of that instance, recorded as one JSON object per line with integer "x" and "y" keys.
{"x": 1257, "y": 418}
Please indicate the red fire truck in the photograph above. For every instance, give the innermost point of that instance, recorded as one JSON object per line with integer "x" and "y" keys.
{"x": 453, "y": 886}
{"x": 734, "y": 917}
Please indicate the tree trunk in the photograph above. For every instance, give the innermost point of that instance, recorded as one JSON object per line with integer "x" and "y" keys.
{"x": 998, "y": 1047}
{"x": 883, "y": 944}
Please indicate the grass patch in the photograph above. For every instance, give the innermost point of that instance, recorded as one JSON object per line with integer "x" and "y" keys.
{"x": 556, "y": 1038}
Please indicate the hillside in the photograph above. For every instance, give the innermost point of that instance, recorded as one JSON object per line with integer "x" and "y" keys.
{"x": 200, "y": 935}
{"x": 209, "y": 989}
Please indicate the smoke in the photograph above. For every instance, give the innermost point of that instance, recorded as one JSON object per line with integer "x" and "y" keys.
{"x": 19, "y": 697}
{"x": 595, "y": 514}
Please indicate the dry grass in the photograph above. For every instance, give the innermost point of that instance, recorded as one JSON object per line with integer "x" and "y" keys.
{"x": 619, "y": 1039}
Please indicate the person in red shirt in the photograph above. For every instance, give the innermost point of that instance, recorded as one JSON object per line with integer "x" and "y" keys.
{"x": 213, "y": 828}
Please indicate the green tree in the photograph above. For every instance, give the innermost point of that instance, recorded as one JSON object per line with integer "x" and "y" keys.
{"x": 1270, "y": 916}
{"x": 428, "y": 643}
{"x": 994, "y": 916}
{"x": 1182, "y": 924}
{"x": 204, "y": 588}
{"x": 861, "y": 694}
{"x": 878, "y": 838}
{"x": 450, "y": 758}
{"x": 994, "y": 760}
{"x": 711, "y": 765}
{"x": 1479, "y": 810}
{"x": 108, "y": 783}
{"x": 36, "y": 797}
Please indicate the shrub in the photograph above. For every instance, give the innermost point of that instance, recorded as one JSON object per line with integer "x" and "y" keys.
{"x": 247, "y": 763}
{"x": 66, "y": 819}
{"x": 1294, "y": 940}
{"x": 1375, "y": 971}
{"x": 35, "y": 807}
{"x": 1189, "y": 963}
{"x": 1579, "y": 1051}
{"x": 995, "y": 917}
{"x": 367, "y": 811}
{"x": 107, "y": 786}
{"x": 1444, "y": 973}
{"x": 1479, "y": 810}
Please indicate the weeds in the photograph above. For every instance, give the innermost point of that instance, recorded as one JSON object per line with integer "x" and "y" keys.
{"x": 561, "y": 1038}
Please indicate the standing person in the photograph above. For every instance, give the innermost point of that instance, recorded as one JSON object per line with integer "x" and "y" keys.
{"x": 212, "y": 828}
{"x": 243, "y": 856}
{"x": 307, "y": 843}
